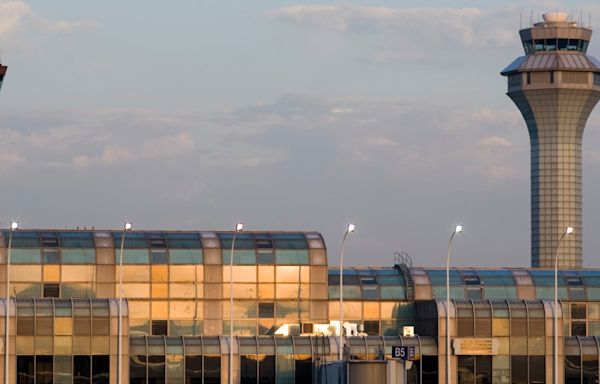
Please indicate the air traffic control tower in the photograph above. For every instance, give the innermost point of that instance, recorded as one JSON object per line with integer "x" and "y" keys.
{"x": 555, "y": 86}
{"x": 2, "y": 73}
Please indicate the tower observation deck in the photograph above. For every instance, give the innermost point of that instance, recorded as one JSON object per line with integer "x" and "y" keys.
{"x": 555, "y": 86}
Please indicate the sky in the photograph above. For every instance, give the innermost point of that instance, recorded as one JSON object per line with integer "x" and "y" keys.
{"x": 284, "y": 115}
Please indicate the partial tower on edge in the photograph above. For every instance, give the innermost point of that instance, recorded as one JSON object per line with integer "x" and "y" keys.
{"x": 2, "y": 73}
{"x": 555, "y": 86}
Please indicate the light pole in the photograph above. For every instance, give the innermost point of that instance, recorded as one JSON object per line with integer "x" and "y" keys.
{"x": 13, "y": 227}
{"x": 126, "y": 227}
{"x": 239, "y": 227}
{"x": 567, "y": 232}
{"x": 350, "y": 229}
{"x": 457, "y": 229}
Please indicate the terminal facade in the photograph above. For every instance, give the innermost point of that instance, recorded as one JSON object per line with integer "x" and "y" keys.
{"x": 64, "y": 289}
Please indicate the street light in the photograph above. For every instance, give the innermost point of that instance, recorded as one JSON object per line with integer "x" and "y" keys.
{"x": 239, "y": 227}
{"x": 126, "y": 227}
{"x": 350, "y": 229}
{"x": 458, "y": 229}
{"x": 567, "y": 232}
{"x": 13, "y": 227}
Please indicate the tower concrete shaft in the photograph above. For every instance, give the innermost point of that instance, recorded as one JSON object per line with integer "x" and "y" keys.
{"x": 555, "y": 86}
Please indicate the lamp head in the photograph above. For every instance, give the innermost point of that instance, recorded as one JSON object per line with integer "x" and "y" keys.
{"x": 458, "y": 229}
{"x": 14, "y": 225}
{"x": 128, "y": 226}
{"x": 569, "y": 230}
{"x": 239, "y": 227}
{"x": 351, "y": 228}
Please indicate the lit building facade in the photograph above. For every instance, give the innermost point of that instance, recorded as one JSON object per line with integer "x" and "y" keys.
{"x": 64, "y": 311}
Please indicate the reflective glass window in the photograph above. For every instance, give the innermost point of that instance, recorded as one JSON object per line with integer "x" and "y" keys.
{"x": 266, "y": 310}
{"x": 193, "y": 369}
{"x": 248, "y": 368}
{"x": 25, "y": 370}
{"x": 81, "y": 370}
{"x": 156, "y": 369}
{"x": 518, "y": 365}
{"x": 44, "y": 369}
{"x": 266, "y": 369}
{"x": 137, "y": 369}
{"x": 212, "y": 370}
{"x": 572, "y": 369}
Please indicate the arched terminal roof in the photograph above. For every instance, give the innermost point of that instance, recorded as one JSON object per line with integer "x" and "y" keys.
{"x": 164, "y": 247}
{"x": 363, "y": 283}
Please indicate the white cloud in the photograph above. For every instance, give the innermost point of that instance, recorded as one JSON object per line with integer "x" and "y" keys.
{"x": 419, "y": 26}
{"x": 495, "y": 141}
{"x": 12, "y": 13}
{"x": 65, "y": 26}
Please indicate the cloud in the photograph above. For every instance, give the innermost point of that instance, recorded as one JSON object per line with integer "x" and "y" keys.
{"x": 12, "y": 14}
{"x": 65, "y": 26}
{"x": 420, "y": 27}
{"x": 495, "y": 141}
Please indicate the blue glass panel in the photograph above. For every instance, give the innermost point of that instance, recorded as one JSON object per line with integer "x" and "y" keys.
{"x": 133, "y": 256}
{"x": 242, "y": 241}
{"x": 132, "y": 240}
{"x": 76, "y": 239}
{"x": 547, "y": 293}
{"x": 393, "y": 293}
{"x": 546, "y": 278}
{"x": 351, "y": 292}
{"x": 287, "y": 236}
{"x": 438, "y": 277}
{"x": 185, "y": 243}
{"x": 291, "y": 244}
{"x": 500, "y": 292}
{"x": 79, "y": 256}
{"x": 291, "y": 256}
{"x": 577, "y": 293}
{"x": 23, "y": 239}
{"x": 240, "y": 256}
{"x": 439, "y": 292}
{"x": 185, "y": 256}
{"x": 25, "y": 256}
{"x": 334, "y": 292}
{"x": 370, "y": 292}
{"x": 593, "y": 293}
{"x": 496, "y": 277}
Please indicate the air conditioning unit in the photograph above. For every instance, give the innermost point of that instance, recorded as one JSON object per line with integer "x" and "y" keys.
{"x": 308, "y": 328}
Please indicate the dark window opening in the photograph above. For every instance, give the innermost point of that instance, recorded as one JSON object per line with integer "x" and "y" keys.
{"x": 81, "y": 370}
{"x": 528, "y": 77}
{"x": 552, "y": 77}
{"x": 158, "y": 243}
{"x": 264, "y": 244}
{"x": 266, "y": 310}
{"x": 266, "y": 369}
{"x": 137, "y": 369}
{"x": 193, "y": 369}
{"x": 159, "y": 327}
{"x": 156, "y": 369}
{"x": 51, "y": 290}
{"x": 43, "y": 369}
{"x": 49, "y": 242}
{"x": 212, "y": 370}
{"x": 303, "y": 372}
{"x": 371, "y": 327}
{"x": 100, "y": 369}
{"x": 25, "y": 370}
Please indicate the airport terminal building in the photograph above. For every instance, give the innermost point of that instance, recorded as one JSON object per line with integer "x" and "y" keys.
{"x": 64, "y": 308}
